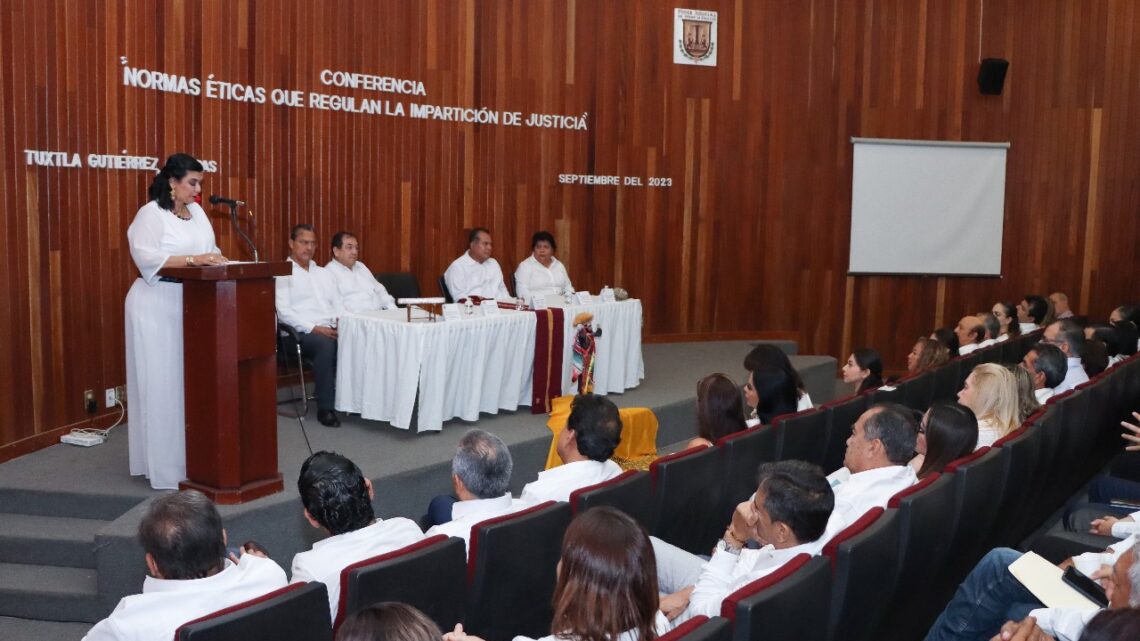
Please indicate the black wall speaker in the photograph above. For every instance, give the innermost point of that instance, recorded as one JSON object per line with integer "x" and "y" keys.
{"x": 991, "y": 75}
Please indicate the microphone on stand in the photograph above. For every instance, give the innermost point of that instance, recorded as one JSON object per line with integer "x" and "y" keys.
{"x": 222, "y": 200}
{"x": 234, "y": 204}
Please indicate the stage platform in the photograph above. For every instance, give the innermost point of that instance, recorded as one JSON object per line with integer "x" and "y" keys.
{"x": 68, "y": 514}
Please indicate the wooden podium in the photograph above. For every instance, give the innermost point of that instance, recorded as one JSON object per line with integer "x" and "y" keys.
{"x": 229, "y": 355}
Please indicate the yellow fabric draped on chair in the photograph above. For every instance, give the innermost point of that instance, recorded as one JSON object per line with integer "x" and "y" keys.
{"x": 638, "y": 447}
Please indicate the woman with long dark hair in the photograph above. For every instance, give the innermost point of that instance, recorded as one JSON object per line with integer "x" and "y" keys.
{"x": 865, "y": 367}
{"x": 770, "y": 391}
{"x": 171, "y": 230}
{"x": 720, "y": 411}
{"x": 948, "y": 431}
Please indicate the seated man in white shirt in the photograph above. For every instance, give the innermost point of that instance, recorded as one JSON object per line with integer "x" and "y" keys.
{"x": 480, "y": 474}
{"x": 585, "y": 445}
{"x": 991, "y": 595}
{"x": 787, "y": 515}
{"x": 359, "y": 290}
{"x": 190, "y": 576}
{"x": 970, "y": 332}
{"x": 875, "y": 466}
{"x": 475, "y": 273}
{"x": 1061, "y": 309}
{"x": 338, "y": 500}
{"x": 541, "y": 274}
{"x": 992, "y": 327}
{"x": 1070, "y": 338}
{"x": 308, "y": 301}
{"x": 1032, "y": 312}
{"x": 1047, "y": 366}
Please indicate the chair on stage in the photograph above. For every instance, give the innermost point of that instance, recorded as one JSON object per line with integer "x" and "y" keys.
{"x": 289, "y": 346}
{"x": 444, "y": 290}
{"x": 399, "y": 284}
{"x": 631, "y": 492}
{"x": 296, "y": 612}
{"x": 790, "y": 603}
{"x": 429, "y": 574}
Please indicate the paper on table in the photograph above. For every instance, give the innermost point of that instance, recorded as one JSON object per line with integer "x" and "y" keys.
{"x": 1043, "y": 579}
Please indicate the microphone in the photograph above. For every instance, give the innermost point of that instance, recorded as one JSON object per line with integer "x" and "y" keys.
{"x": 221, "y": 200}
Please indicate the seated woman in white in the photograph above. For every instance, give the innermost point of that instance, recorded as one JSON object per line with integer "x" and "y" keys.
{"x": 772, "y": 356}
{"x": 541, "y": 274}
{"x": 991, "y": 392}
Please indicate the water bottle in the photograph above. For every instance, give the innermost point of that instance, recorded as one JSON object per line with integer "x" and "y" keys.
{"x": 468, "y": 307}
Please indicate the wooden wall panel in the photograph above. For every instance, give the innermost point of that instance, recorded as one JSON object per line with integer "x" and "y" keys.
{"x": 752, "y": 236}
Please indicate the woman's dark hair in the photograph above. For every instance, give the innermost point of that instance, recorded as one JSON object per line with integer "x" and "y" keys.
{"x": 1038, "y": 309}
{"x": 1009, "y": 308}
{"x": 720, "y": 410}
{"x": 334, "y": 493}
{"x": 1117, "y": 624}
{"x": 951, "y": 433}
{"x": 1094, "y": 357}
{"x": 1129, "y": 313}
{"x": 776, "y": 392}
{"x": 1108, "y": 335}
{"x": 1127, "y": 335}
{"x": 869, "y": 359}
{"x": 772, "y": 356}
{"x": 176, "y": 167}
{"x": 540, "y": 236}
{"x": 947, "y": 337}
{"x": 388, "y": 621}
{"x": 607, "y": 584}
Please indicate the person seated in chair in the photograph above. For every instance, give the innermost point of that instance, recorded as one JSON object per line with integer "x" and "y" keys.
{"x": 475, "y": 273}
{"x": 190, "y": 576}
{"x": 480, "y": 475}
{"x": 309, "y": 302}
{"x": 1047, "y": 365}
{"x": 359, "y": 290}
{"x": 1032, "y": 313}
{"x": 992, "y": 326}
{"x": 585, "y": 445}
{"x": 337, "y": 499}
{"x": 1070, "y": 338}
{"x": 971, "y": 332}
{"x": 786, "y": 516}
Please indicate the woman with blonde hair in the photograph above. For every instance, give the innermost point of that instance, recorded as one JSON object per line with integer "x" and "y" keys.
{"x": 991, "y": 392}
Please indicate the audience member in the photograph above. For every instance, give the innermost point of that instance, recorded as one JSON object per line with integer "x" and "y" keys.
{"x": 541, "y": 274}
{"x": 358, "y": 288}
{"x": 948, "y": 432}
{"x": 720, "y": 410}
{"x": 475, "y": 273}
{"x": 970, "y": 332}
{"x": 185, "y": 545}
{"x": 1094, "y": 357}
{"x": 927, "y": 353}
{"x": 337, "y": 499}
{"x": 1114, "y": 625}
{"x": 1060, "y": 303}
{"x": 1126, "y": 333}
{"x": 1070, "y": 338}
{"x": 1108, "y": 334}
{"x": 992, "y": 327}
{"x": 786, "y": 516}
{"x": 947, "y": 337}
{"x": 865, "y": 367}
{"x": 388, "y": 621}
{"x": 1027, "y": 402}
{"x": 480, "y": 475}
{"x": 1032, "y": 312}
{"x": 770, "y": 392}
{"x": 772, "y": 356}
{"x": 1047, "y": 366}
{"x": 991, "y": 392}
{"x": 1130, "y": 313}
{"x": 585, "y": 446}
{"x": 310, "y": 303}
{"x": 1006, "y": 313}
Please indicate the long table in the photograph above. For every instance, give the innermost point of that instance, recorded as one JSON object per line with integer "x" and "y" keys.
{"x": 460, "y": 368}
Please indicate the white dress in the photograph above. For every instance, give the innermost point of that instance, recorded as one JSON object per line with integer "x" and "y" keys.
{"x": 532, "y": 278}
{"x": 156, "y": 427}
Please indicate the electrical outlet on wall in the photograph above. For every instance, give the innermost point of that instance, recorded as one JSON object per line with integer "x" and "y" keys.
{"x": 121, "y": 394}
{"x": 89, "y": 401}
{"x": 109, "y": 397}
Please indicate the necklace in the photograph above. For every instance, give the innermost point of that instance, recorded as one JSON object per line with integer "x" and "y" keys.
{"x": 178, "y": 213}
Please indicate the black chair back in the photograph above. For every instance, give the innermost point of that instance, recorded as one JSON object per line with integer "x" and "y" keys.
{"x": 841, "y": 417}
{"x": 687, "y": 487}
{"x": 864, "y": 561}
{"x": 918, "y": 391}
{"x": 296, "y": 612}
{"x": 979, "y": 485}
{"x": 443, "y": 290}
{"x": 511, "y": 572}
{"x": 740, "y": 455}
{"x": 946, "y": 381}
{"x": 700, "y": 628}
{"x": 430, "y": 574}
{"x": 885, "y": 394}
{"x": 792, "y": 602}
{"x": 801, "y": 436}
{"x": 399, "y": 284}
{"x": 631, "y": 492}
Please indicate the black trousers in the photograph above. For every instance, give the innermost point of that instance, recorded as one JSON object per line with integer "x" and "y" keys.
{"x": 321, "y": 353}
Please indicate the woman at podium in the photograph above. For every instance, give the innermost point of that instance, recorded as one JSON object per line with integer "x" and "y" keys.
{"x": 171, "y": 230}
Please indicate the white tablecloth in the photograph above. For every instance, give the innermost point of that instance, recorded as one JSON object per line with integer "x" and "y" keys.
{"x": 463, "y": 367}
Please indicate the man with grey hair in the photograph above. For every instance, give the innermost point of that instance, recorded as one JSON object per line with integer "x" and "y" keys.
{"x": 480, "y": 475}
{"x": 1047, "y": 366}
{"x": 1061, "y": 309}
{"x": 992, "y": 327}
{"x": 1070, "y": 339}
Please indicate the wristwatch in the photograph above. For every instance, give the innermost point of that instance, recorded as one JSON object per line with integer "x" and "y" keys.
{"x": 725, "y": 546}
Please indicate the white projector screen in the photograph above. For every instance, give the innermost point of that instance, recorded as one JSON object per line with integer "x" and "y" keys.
{"x": 925, "y": 207}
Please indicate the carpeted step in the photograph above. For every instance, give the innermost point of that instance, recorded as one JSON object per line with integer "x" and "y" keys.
{"x": 83, "y": 503}
{"x": 47, "y": 540}
{"x": 49, "y": 593}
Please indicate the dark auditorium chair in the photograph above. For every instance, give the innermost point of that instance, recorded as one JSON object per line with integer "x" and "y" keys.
{"x": 925, "y": 519}
{"x": 979, "y": 485}
{"x": 884, "y": 394}
{"x": 991, "y": 354}
{"x": 1050, "y": 455}
{"x": 801, "y": 436}
{"x": 1079, "y": 437}
{"x": 631, "y": 492}
{"x": 946, "y": 382}
{"x": 510, "y": 572}
{"x": 430, "y": 574}
{"x": 966, "y": 364}
{"x": 791, "y": 603}
{"x": 918, "y": 390}
{"x": 296, "y": 612}
{"x": 399, "y": 284}
{"x": 1021, "y": 452}
{"x": 444, "y": 291}
{"x": 687, "y": 487}
{"x": 864, "y": 560}
{"x": 700, "y": 628}
{"x": 740, "y": 456}
{"x": 841, "y": 417}
{"x": 1011, "y": 350}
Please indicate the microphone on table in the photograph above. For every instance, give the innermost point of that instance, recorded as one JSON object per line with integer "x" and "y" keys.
{"x": 222, "y": 200}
